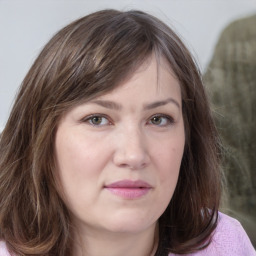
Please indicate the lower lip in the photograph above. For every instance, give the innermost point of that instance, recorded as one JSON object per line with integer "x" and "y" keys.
{"x": 129, "y": 193}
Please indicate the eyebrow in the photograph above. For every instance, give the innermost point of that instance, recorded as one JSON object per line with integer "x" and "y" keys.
{"x": 117, "y": 106}
{"x": 108, "y": 104}
{"x": 161, "y": 103}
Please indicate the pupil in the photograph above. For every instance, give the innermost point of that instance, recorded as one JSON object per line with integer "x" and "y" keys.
{"x": 156, "y": 120}
{"x": 96, "y": 120}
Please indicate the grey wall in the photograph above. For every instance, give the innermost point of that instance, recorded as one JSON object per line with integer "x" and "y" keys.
{"x": 26, "y": 25}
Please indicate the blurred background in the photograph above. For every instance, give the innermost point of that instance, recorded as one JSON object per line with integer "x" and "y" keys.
{"x": 221, "y": 34}
{"x": 231, "y": 82}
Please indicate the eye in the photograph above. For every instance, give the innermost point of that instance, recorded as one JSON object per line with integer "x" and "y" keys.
{"x": 161, "y": 120}
{"x": 97, "y": 120}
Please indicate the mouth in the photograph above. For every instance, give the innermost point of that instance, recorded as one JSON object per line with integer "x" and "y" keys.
{"x": 128, "y": 189}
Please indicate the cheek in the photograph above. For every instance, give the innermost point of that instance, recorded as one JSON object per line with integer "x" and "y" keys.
{"x": 72, "y": 162}
{"x": 169, "y": 155}
{"x": 80, "y": 161}
{"x": 169, "y": 171}
{"x": 76, "y": 155}
{"x": 77, "y": 171}
{"x": 169, "y": 161}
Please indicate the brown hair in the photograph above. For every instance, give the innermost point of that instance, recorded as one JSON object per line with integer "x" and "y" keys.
{"x": 84, "y": 60}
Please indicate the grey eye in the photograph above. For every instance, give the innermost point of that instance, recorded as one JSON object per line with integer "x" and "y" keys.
{"x": 97, "y": 120}
{"x": 161, "y": 120}
{"x": 156, "y": 120}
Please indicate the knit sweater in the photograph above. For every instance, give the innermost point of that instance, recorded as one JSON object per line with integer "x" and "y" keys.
{"x": 229, "y": 239}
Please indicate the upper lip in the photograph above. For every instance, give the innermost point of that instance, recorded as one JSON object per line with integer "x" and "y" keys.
{"x": 129, "y": 184}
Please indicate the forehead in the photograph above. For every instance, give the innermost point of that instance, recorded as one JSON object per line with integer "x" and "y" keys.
{"x": 153, "y": 78}
{"x": 154, "y": 73}
{"x": 154, "y": 70}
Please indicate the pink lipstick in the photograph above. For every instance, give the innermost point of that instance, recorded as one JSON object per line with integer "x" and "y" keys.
{"x": 128, "y": 189}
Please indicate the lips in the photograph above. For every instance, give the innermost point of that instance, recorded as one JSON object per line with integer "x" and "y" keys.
{"x": 128, "y": 189}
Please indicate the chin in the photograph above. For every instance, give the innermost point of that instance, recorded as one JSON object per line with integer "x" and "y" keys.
{"x": 130, "y": 223}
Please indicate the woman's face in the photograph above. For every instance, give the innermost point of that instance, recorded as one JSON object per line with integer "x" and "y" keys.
{"x": 119, "y": 155}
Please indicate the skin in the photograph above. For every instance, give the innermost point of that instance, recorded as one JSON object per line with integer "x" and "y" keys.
{"x": 136, "y": 133}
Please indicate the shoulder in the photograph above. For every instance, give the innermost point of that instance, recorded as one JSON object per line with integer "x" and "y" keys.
{"x": 3, "y": 249}
{"x": 229, "y": 239}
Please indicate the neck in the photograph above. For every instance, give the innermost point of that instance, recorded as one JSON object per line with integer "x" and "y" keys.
{"x": 95, "y": 243}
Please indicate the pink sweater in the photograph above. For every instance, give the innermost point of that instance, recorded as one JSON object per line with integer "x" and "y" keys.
{"x": 229, "y": 239}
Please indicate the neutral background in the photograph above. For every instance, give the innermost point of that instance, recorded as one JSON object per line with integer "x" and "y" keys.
{"x": 26, "y": 25}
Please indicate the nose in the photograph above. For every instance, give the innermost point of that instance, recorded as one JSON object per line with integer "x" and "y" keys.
{"x": 131, "y": 149}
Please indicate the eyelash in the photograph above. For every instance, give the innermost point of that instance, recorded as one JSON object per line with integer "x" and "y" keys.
{"x": 169, "y": 119}
{"x": 89, "y": 119}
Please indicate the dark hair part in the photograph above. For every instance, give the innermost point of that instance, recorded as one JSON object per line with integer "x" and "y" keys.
{"x": 86, "y": 59}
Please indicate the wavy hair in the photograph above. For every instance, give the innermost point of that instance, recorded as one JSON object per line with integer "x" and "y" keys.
{"x": 86, "y": 59}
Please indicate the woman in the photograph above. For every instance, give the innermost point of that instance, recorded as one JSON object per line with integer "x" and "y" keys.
{"x": 110, "y": 148}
